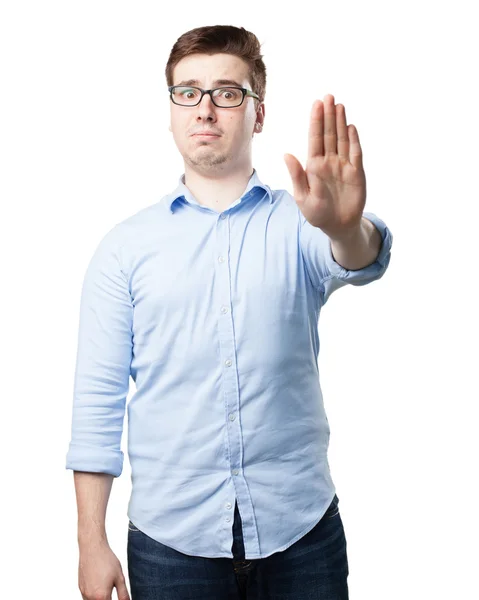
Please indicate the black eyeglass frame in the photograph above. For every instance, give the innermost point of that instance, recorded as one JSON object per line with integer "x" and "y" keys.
{"x": 245, "y": 92}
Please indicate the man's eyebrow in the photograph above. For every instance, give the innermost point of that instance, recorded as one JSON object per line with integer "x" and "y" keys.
{"x": 216, "y": 82}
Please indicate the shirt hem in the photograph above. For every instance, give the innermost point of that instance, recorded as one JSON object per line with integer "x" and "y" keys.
{"x": 298, "y": 537}
{"x": 247, "y": 556}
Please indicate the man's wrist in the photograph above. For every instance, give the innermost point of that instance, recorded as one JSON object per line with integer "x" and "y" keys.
{"x": 359, "y": 248}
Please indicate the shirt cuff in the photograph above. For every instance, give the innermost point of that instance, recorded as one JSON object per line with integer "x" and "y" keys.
{"x": 94, "y": 460}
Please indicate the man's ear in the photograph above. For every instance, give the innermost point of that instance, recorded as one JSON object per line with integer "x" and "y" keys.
{"x": 258, "y": 126}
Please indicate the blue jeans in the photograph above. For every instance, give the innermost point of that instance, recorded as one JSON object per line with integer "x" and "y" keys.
{"x": 313, "y": 568}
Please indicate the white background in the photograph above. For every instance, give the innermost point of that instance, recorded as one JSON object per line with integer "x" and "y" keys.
{"x": 85, "y": 144}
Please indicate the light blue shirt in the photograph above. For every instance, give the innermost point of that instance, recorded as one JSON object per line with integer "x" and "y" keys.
{"x": 215, "y": 317}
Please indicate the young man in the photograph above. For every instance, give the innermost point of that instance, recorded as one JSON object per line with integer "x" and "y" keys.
{"x": 209, "y": 300}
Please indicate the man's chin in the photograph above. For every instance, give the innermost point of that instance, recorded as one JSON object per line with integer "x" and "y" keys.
{"x": 206, "y": 162}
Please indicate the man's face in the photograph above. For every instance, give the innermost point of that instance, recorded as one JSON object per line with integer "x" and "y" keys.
{"x": 234, "y": 126}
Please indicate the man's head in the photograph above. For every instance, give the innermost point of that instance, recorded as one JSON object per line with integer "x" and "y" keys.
{"x": 206, "y": 57}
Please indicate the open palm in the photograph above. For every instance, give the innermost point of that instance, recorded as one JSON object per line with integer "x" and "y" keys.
{"x": 331, "y": 191}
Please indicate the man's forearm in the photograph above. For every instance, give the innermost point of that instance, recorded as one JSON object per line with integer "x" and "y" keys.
{"x": 359, "y": 249}
{"x": 92, "y": 494}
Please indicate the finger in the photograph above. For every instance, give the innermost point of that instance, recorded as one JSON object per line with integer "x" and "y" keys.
{"x": 315, "y": 140}
{"x": 343, "y": 138}
{"x": 121, "y": 589}
{"x": 355, "y": 152}
{"x": 298, "y": 176}
{"x": 330, "y": 136}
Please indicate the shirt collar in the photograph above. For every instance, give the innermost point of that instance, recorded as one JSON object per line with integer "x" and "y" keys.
{"x": 181, "y": 191}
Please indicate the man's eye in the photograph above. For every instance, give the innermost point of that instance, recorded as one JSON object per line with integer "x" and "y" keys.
{"x": 229, "y": 93}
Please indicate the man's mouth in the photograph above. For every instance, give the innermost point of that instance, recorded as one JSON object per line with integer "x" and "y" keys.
{"x": 206, "y": 136}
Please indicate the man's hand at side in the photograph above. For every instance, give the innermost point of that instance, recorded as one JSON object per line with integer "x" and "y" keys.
{"x": 99, "y": 572}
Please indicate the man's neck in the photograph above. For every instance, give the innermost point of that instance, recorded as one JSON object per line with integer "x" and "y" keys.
{"x": 217, "y": 191}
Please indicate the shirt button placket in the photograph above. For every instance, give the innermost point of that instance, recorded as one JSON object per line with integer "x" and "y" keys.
{"x": 227, "y": 347}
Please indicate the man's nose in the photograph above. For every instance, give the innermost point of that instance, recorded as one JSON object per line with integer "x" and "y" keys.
{"x": 206, "y": 104}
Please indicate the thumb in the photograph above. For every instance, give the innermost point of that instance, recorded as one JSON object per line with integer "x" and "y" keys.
{"x": 298, "y": 176}
{"x": 121, "y": 589}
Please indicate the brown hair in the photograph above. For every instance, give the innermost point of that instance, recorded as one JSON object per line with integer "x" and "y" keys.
{"x": 227, "y": 39}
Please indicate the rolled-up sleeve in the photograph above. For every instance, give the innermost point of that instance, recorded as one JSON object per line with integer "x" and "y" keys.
{"x": 102, "y": 372}
{"x": 325, "y": 273}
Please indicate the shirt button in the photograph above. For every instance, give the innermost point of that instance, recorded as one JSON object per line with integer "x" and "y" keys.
{"x": 232, "y": 417}
{"x": 229, "y": 505}
{"x": 224, "y": 309}
{"x": 223, "y": 216}
{"x": 228, "y": 519}
{"x": 228, "y": 363}
{"x": 221, "y": 259}
{"x": 235, "y": 472}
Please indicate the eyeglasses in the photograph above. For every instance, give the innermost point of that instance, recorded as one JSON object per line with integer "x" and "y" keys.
{"x": 224, "y": 97}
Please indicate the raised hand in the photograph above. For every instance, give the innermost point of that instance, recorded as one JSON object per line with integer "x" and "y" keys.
{"x": 331, "y": 191}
